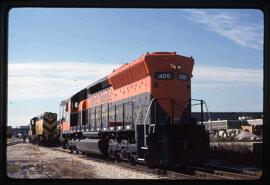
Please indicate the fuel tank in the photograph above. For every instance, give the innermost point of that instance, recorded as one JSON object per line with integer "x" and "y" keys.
{"x": 94, "y": 146}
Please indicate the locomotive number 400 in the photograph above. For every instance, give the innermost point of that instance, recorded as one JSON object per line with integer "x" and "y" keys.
{"x": 164, "y": 75}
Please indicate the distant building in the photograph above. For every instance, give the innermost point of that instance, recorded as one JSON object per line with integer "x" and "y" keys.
{"x": 9, "y": 131}
{"x": 254, "y": 126}
{"x": 227, "y": 115}
{"x": 231, "y": 128}
{"x": 23, "y": 130}
{"x": 223, "y": 124}
{"x": 230, "y": 124}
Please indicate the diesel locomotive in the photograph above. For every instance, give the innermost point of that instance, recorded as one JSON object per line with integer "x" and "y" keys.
{"x": 141, "y": 112}
{"x": 45, "y": 129}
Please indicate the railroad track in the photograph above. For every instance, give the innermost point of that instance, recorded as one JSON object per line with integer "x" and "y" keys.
{"x": 142, "y": 168}
{"x": 185, "y": 172}
{"x": 14, "y": 143}
{"x": 210, "y": 173}
{"x": 165, "y": 174}
{"x": 234, "y": 172}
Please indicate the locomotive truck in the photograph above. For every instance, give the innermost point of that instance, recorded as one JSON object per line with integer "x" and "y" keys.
{"x": 140, "y": 112}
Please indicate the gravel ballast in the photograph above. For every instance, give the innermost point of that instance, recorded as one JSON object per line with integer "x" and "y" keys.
{"x": 31, "y": 161}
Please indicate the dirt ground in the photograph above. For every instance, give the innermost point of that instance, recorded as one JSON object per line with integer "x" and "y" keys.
{"x": 31, "y": 161}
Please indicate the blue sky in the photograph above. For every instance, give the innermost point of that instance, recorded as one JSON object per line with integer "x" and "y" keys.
{"x": 55, "y": 52}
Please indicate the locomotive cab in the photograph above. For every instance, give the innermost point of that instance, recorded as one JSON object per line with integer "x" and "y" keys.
{"x": 172, "y": 142}
{"x": 171, "y": 137}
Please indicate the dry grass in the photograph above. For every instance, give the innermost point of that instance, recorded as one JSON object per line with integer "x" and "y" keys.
{"x": 70, "y": 169}
{"x": 12, "y": 168}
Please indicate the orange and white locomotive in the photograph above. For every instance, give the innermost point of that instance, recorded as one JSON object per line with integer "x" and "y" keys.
{"x": 141, "y": 112}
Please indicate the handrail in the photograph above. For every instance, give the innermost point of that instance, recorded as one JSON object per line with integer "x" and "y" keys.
{"x": 144, "y": 123}
{"x": 208, "y": 113}
{"x": 209, "y": 118}
{"x": 135, "y": 123}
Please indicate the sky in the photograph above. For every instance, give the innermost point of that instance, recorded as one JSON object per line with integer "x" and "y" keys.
{"x": 53, "y": 53}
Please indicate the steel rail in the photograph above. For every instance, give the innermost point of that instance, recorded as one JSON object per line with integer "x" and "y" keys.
{"x": 222, "y": 173}
{"x": 184, "y": 172}
{"x": 14, "y": 143}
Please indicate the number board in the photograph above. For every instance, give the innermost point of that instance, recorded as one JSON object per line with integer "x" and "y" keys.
{"x": 164, "y": 75}
{"x": 183, "y": 76}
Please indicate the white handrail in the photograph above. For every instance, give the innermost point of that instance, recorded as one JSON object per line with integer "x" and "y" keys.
{"x": 135, "y": 123}
{"x": 209, "y": 116}
{"x": 144, "y": 123}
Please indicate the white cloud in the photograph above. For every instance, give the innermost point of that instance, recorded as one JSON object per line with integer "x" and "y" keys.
{"x": 231, "y": 26}
{"x": 225, "y": 77}
{"x": 62, "y": 79}
{"x": 51, "y": 80}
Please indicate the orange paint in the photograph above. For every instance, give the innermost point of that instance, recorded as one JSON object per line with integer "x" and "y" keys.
{"x": 65, "y": 126}
{"x": 82, "y": 105}
{"x": 178, "y": 90}
{"x": 138, "y": 77}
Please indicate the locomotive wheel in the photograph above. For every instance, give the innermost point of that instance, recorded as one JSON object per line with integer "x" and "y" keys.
{"x": 88, "y": 154}
{"x": 123, "y": 154}
{"x": 131, "y": 160}
{"x": 71, "y": 149}
{"x": 110, "y": 159}
{"x": 148, "y": 162}
{"x": 117, "y": 157}
{"x": 111, "y": 154}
